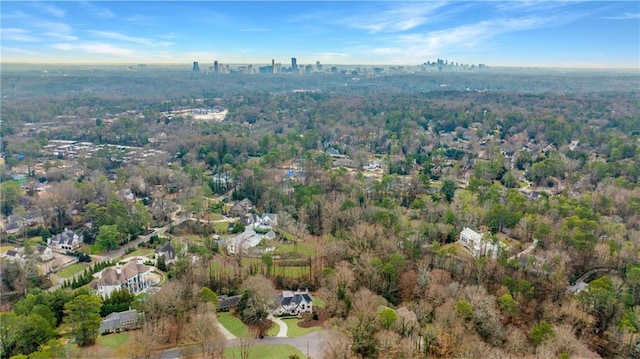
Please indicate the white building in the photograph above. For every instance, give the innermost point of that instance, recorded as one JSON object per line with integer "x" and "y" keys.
{"x": 133, "y": 276}
{"x": 294, "y": 303}
{"x": 65, "y": 241}
{"x": 477, "y": 245}
{"x": 243, "y": 242}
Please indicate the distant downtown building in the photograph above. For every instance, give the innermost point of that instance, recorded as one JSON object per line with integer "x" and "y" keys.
{"x": 216, "y": 67}
{"x": 294, "y": 64}
{"x": 196, "y": 67}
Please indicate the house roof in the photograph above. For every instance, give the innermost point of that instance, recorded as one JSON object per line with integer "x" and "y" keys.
{"x": 41, "y": 249}
{"x": 167, "y": 248}
{"x": 225, "y": 302}
{"x": 288, "y": 297}
{"x": 65, "y": 237}
{"x": 122, "y": 316}
{"x": 111, "y": 277}
{"x": 471, "y": 234}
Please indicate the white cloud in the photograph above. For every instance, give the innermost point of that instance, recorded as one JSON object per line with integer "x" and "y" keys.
{"x": 98, "y": 11}
{"x": 7, "y": 50}
{"x": 51, "y": 9}
{"x": 100, "y": 48}
{"x": 416, "y": 47}
{"x": 112, "y": 35}
{"x": 396, "y": 19}
{"x": 60, "y": 37}
{"x": 625, "y": 16}
{"x": 17, "y": 34}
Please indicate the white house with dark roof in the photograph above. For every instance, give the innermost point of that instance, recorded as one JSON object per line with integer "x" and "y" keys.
{"x": 65, "y": 241}
{"x": 133, "y": 276}
{"x": 167, "y": 252}
{"x": 44, "y": 253}
{"x": 294, "y": 303}
{"x": 15, "y": 255}
{"x": 477, "y": 245}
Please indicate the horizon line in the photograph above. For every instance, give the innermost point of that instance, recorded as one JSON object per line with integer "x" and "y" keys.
{"x": 189, "y": 64}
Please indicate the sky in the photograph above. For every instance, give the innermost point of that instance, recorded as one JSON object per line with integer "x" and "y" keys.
{"x": 581, "y": 34}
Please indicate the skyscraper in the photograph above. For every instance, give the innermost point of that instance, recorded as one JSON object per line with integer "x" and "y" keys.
{"x": 196, "y": 67}
{"x": 216, "y": 67}
{"x": 294, "y": 64}
{"x": 273, "y": 66}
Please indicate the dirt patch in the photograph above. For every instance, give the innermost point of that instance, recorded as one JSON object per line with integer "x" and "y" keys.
{"x": 322, "y": 317}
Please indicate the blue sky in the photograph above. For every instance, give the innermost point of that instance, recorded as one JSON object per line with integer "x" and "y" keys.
{"x": 512, "y": 33}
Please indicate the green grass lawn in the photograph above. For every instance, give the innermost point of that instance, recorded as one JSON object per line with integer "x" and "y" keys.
{"x": 112, "y": 341}
{"x": 94, "y": 249}
{"x": 301, "y": 248}
{"x": 274, "y": 330}
{"x": 266, "y": 352}
{"x": 217, "y": 265}
{"x": 33, "y": 241}
{"x": 69, "y": 271}
{"x": 4, "y": 249}
{"x": 233, "y": 324}
{"x": 221, "y": 227}
{"x": 142, "y": 252}
{"x": 317, "y": 302}
{"x": 288, "y": 271}
{"x": 293, "y": 330}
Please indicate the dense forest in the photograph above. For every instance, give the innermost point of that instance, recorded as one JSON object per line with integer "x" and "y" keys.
{"x": 545, "y": 163}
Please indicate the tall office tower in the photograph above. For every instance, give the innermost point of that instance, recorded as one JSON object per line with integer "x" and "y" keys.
{"x": 196, "y": 67}
{"x": 216, "y": 67}
{"x": 273, "y": 66}
{"x": 318, "y": 66}
{"x": 294, "y": 64}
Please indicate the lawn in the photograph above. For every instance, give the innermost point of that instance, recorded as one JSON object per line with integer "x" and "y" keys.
{"x": 33, "y": 241}
{"x": 317, "y": 302}
{"x": 221, "y": 227}
{"x": 274, "y": 330}
{"x": 266, "y": 352}
{"x": 4, "y": 249}
{"x": 141, "y": 252}
{"x": 293, "y": 330}
{"x": 68, "y": 272}
{"x": 301, "y": 248}
{"x": 234, "y": 325}
{"x": 277, "y": 270}
{"x": 112, "y": 341}
{"x": 217, "y": 266}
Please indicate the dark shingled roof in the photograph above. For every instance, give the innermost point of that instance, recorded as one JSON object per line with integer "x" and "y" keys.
{"x": 225, "y": 302}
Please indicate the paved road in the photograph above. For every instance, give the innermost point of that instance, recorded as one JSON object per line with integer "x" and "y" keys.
{"x": 311, "y": 345}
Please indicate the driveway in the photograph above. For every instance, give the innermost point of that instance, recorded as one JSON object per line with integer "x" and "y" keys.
{"x": 282, "y": 333}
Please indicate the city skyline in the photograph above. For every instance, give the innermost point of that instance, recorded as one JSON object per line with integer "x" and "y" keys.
{"x": 583, "y": 34}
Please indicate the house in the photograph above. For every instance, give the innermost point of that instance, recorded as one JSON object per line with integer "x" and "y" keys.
{"x": 65, "y": 241}
{"x": 294, "y": 303}
{"x": 133, "y": 276}
{"x": 244, "y": 241}
{"x": 269, "y": 219}
{"x": 167, "y": 252}
{"x": 241, "y": 208}
{"x": 15, "y": 255}
{"x": 44, "y": 253}
{"x": 228, "y": 302}
{"x": 115, "y": 322}
{"x": 477, "y": 245}
{"x": 271, "y": 235}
